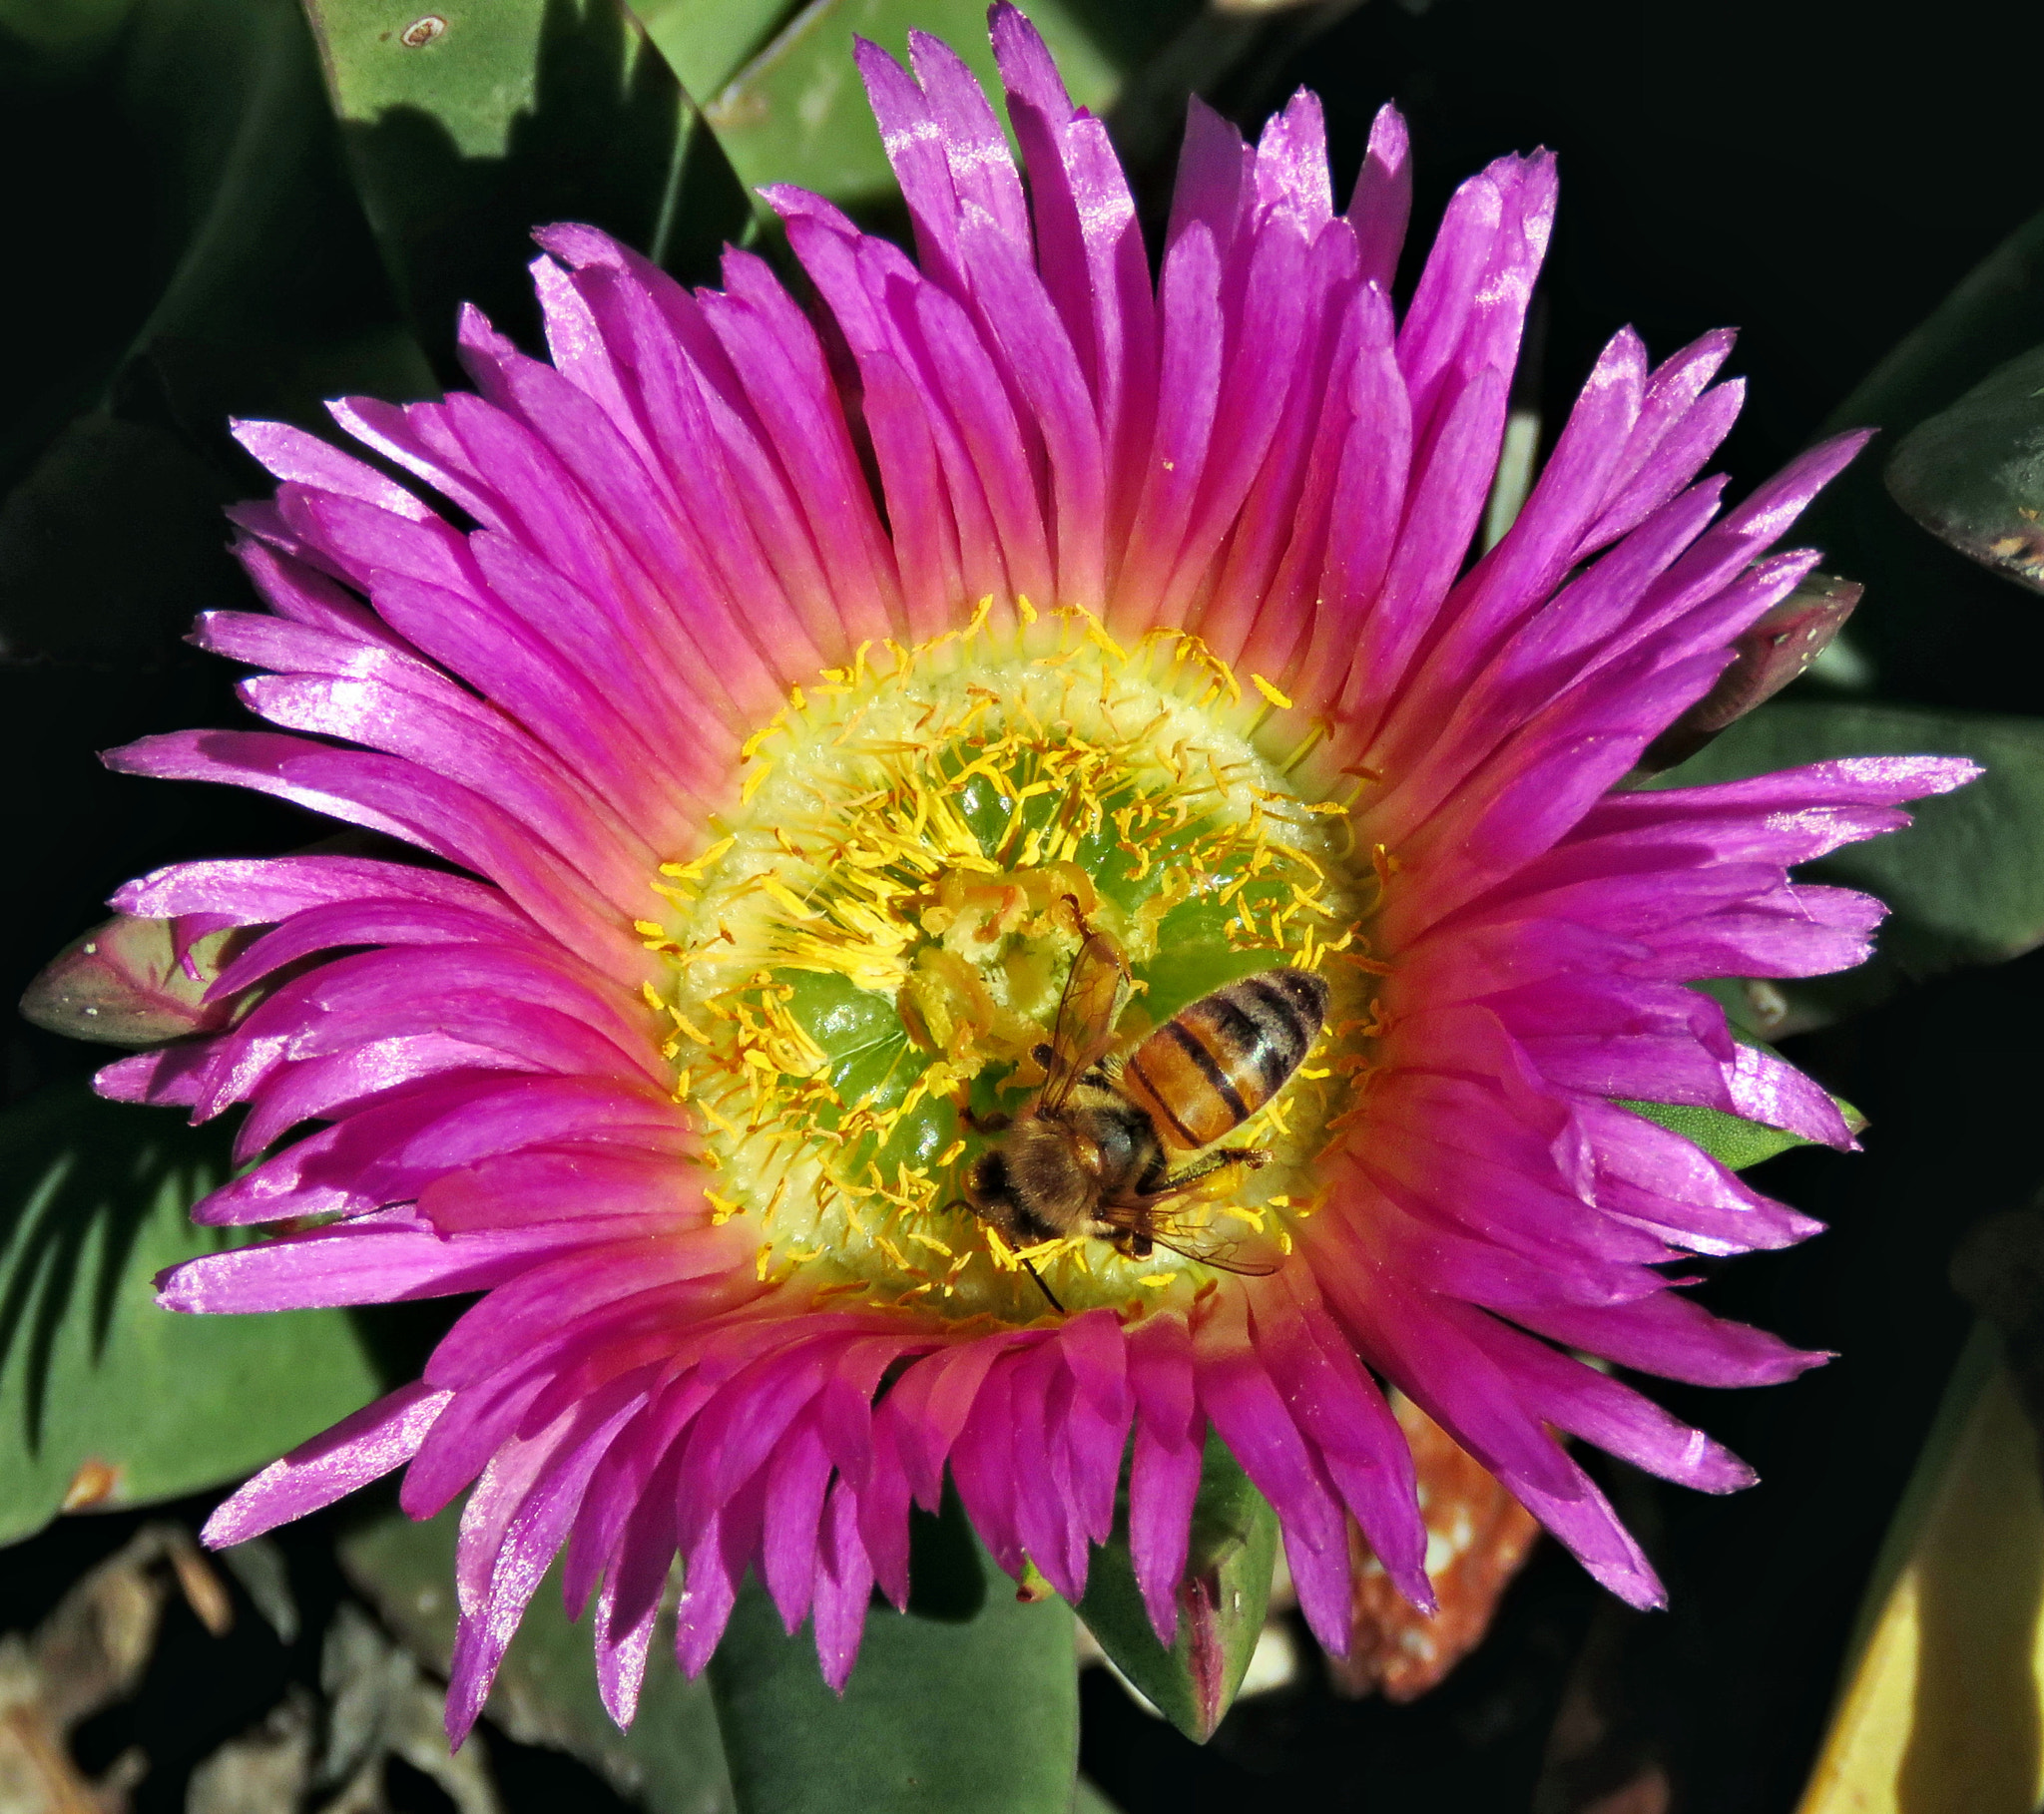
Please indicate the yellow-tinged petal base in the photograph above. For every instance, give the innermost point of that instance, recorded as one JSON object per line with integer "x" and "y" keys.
{"x": 879, "y": 940}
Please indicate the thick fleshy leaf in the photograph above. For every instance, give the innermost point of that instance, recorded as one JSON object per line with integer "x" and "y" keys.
{"x": 1941, "y": 1703}
{"x": 130, "y": 983}
{"x": 1221, "y": 1600}
{"x": 104, "y": 1399}
{"x": 670, "y": 1762}
{"x": 2000, "y": 1270}
{"x": 473, "y": 123}
{"x": 46, "y": 39}
{"x": 706, "y": 42}
{"x": 1973, "y": 474}
{"x": 233, "y": 275}
{"x": 940, "y": 1714}
{"x": 1726, "y": 1138}
{"x": 121, "y": 514}
{"x": 1934, "y": 627}
{"x": 792, "y": 114}
{"x": 1964, "y": 883}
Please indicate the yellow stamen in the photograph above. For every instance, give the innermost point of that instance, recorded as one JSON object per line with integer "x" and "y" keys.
{"x": 879, "y": 938}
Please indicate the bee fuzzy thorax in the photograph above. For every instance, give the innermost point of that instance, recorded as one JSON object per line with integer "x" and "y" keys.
{"x": 1087, "y": 1157}
{"x": 864, "y": 972}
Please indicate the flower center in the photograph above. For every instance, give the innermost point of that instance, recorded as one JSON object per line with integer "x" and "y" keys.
{"x": 867, "y": 966}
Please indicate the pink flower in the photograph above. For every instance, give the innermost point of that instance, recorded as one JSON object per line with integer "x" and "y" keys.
{"x": 792, "y": 673}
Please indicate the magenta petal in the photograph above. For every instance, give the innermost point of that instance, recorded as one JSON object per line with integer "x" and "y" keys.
{"x": 292, "y": 454}
{"x": 1586, "y": 1524}
{"x": 982, "y": 172}
{"x": 1340, "y": 1411}
{"x": 984, "y": 1465}
{"x": 1766, "y": 1089}
{"x": 1040, "y": 1489}
{"x": 348, "y": 1266}
{"x": 1668, "y": 1335}
{"x": 1250, "y": 1412}
{"x": 1444, "y": 1372}
{"x": 1095, "y": 1353}
{"x": 354, "y": 1452}
{"x": 1382, "y": 202}
{"x": 1586, "y": 1403}
{"x": 710, "y": 1577}
{"x": 844, "y": 1583}
{"x": 630, "y": 1601}
{"x": 1212, "y": 169}
{"x": 510, "y": 1530}
{"x": 1293, "y": 183}
{"x": 621, "y": 1653}
{"x": 170, "y": 1077}
{"x": 798, "y": 1479}
{"x": 1163, "y": 1476}
{"x": 884, "y": 1504}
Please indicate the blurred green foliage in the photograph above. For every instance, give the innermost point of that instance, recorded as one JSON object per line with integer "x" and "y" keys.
{"x": 104, "y": 1398}
{"x": 670, "y": 1762}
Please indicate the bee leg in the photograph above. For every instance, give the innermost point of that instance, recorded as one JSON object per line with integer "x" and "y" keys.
{"x": 985, "y": 1123}
{"x": 1048, "y": 1296}
{"x": 1208, "y": 1162}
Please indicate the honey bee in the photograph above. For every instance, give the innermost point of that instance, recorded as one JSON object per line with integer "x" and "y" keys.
{"x": 1092, "y": 1152}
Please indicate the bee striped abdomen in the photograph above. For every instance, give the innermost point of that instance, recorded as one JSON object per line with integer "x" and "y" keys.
{"x": 1206, "y": 1072}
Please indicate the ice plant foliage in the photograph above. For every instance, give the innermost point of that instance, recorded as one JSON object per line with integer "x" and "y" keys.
{"x": 772, "y": 686}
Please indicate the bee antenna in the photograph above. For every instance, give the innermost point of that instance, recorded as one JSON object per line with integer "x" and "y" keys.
{"x": 1030, "y": 1268}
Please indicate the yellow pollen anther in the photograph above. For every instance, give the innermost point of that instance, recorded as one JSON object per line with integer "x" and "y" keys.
{"x": 879, "y": 944}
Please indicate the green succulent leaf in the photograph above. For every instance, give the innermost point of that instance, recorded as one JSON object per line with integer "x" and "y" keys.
{"x": 706, "y": 42}
{"x": 48, "y": 40}
{"x": 1973, "y": 474}
{"x": 1934, "y": 627}
{"x": 228, "y": 273}
{"x": 104, "y": 1397}
{"x": 275, "y": 298}
{"x": 969, "y": 1706}
{"x": 1221, "y": 1600}
{"x": 1964, "y": 884}
{"x": 670, "y": 1762}
{"x": 797, "y": 112}
{"x": 468, "y": 126}
{"x": 1727, "y": 1139}
{"x": 111, "y": 544}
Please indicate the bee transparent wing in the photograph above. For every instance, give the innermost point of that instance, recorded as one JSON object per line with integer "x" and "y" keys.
{"x": 1251, "y": 1256}
{"x": 1094, "y": 990}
